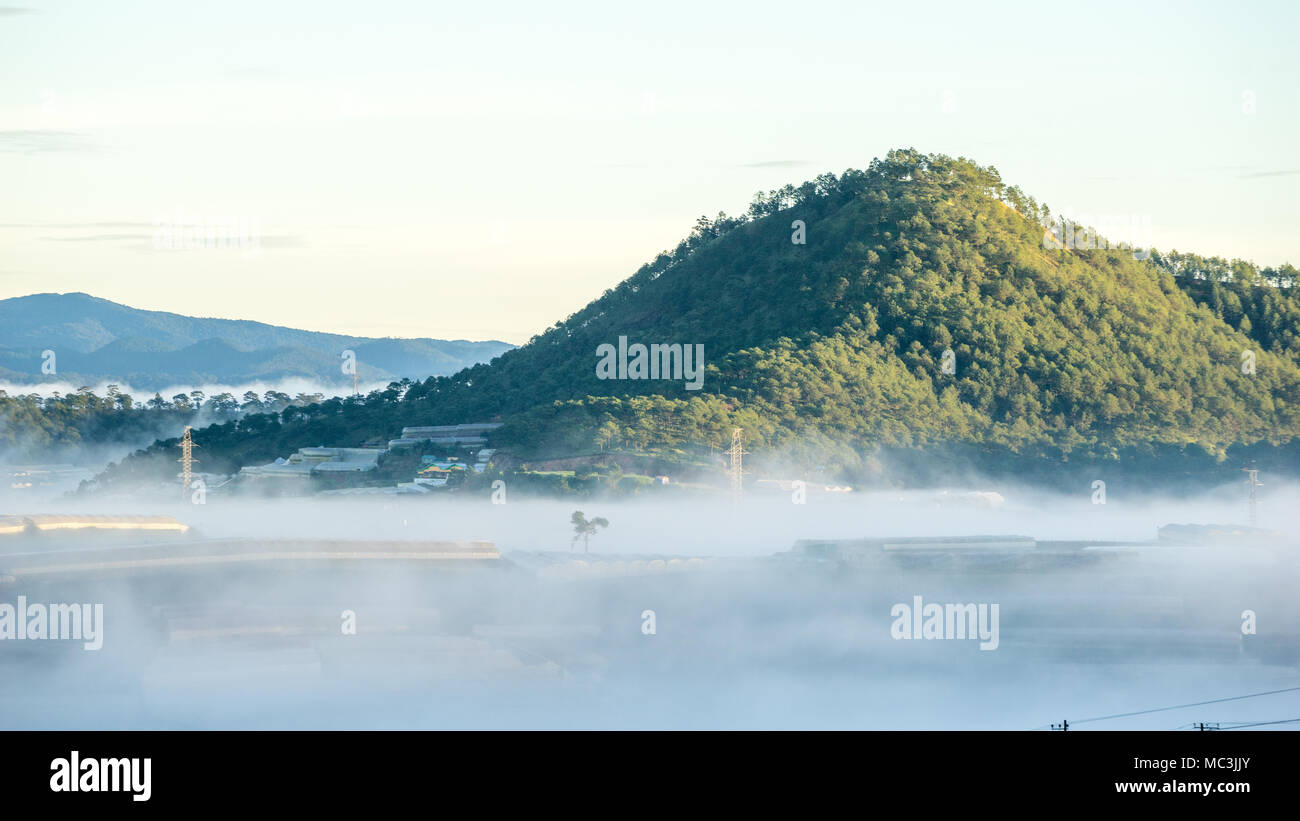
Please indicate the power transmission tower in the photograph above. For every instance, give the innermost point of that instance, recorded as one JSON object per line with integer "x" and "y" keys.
{"x": 187, "y": 461}
{"x": 736, "y": 471}
{"x": 1252, "y": 482}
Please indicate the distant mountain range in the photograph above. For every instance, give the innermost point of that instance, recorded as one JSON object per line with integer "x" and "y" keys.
{"x": 97, "y": 341}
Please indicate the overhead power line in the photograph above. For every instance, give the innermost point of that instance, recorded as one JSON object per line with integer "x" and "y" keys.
{"x": 1181, "y": 706}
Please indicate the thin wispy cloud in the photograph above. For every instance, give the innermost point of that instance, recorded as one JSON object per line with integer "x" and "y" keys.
{"x": 132, "y": 239}
{"x": 253, "y": 72}
{"x": 15, "y": 11}
{"x": 777, "y": 164}
{"x": 75, "y": 225}
{"x": 31, "y": 141}
{"x": 285, "y": 241}
{"x": 275, "y": 242}
{"x": 1281, "y": 173}
{"x": 99, "y": 238}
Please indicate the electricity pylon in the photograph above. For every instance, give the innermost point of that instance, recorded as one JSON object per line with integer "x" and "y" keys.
{"x": 736, "y": 471}
{"x": 1252, "y": 482}
{"x": 187, "y": 461}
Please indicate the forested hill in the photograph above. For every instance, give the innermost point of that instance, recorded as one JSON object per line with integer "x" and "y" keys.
{"x": 834, "y": 348}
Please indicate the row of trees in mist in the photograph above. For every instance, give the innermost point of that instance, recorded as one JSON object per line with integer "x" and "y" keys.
{"x": 82, "y": 425}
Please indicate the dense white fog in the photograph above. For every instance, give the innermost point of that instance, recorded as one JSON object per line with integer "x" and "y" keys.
{"x": 744, "y": 634}
{"x": 766, "y": 522}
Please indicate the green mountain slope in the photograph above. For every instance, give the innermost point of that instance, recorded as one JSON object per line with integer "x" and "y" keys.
{"x": 832, "y": 350}
{"x": 915, "y": 256}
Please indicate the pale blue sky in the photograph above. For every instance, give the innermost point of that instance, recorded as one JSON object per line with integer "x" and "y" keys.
{"x": 482, "y": 170}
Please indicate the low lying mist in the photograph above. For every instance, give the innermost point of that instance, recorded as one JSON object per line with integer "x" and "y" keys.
{"x": 693, "y": 613}
{"x": 291, "y": 386}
